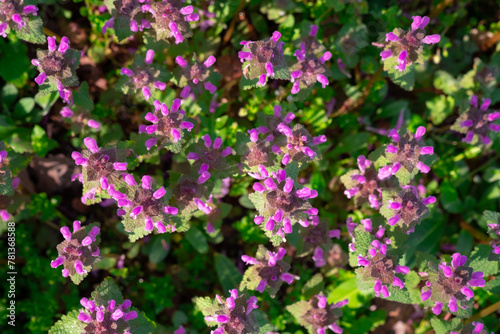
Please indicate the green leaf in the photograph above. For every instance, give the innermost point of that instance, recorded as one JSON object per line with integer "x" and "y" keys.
{"x": 41, "y": 143}
{"x": 246, "y": 84}
{"x": 405, "y": 79}
{"x": 298, "y": 310}
{"x": 449, "y": 198}
{"x": 197, "y": 239}
{"x": 314, "y": 286}
{"x": 479, "y": 260}
{"x": 81, "y": 97}
{"x": 23, "y": 107}
{"x": 13, "y": 60}
{"x": 493, "y": 286}
{"x": 445, "y": 326}
{"x": 69, "y": 324}
{"x": 9, "y": 94}
{"x": 229, "y": 276}
{"x": 141, "y": 324}
{"x": 348, "y": 290}
{"x": 159, "y": 248}
{"x": 258, "y": 201}
{"x": 33, "y": 31}
{"x": 106, "y": 291}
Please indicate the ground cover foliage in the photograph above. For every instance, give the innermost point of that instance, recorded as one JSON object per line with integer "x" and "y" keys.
{"x": 245, "y": 166}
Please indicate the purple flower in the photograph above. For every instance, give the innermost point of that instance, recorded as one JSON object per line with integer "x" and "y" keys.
{"x": 100, "y": 166}
{"x": 78, "y": 252}
{"x": 406, "y": 208}
{"x": 309, "y": 69}
{"x": 406, "y": 152}
{"x": 171, "y": 19}
{"x": 381, "y": 268}
{"x": 363, "y": 184}
{"x": 262, "y": 58}
{"x": 144, "y": 77}
{"x": 407, "y": 46}
{"x": 58, "y": 66}
{"x": 109, "y": 318}
{"x": 320, "y": 315}
{"x": 452, "y": 285}
{"x": 14, "y": 15}
{"x": 284, "y": 203}
{"x": 317, "y": 240}
{"x": 269, "y": 270}
{"x": 211, "y": 157}
{"x": 233, "y": 314}
{"x": 495, "y": 243}
{"x": 196, "y": 76}
{"x": 477, "y": 122}
{"x": 168, "y": 126}
{"x": 145, "y": 208}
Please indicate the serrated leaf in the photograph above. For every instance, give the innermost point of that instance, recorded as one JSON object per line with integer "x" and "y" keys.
{"x": 108, "y": 290}
{"x": 141, "y": 324}
{"x": 479, "y": 261}
{"x": 69, "y": 324}
{"x": 229, "y": 276}
{"x": 298, "y": 310}
{"x": 362, "y": 243}
{"x": 493, "y": 286}
{"x": 404, "y": 79}
{"x": 445, "y": 326}
{"x": 246, "y": 84}
{"x": 258, "y": 201}
{"x": 206, "y": 305}
{"x": 33, "y": 31}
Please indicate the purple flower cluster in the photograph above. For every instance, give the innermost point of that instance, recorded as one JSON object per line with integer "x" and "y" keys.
{"x": 284, "y": 204}
{"x": 269, "y": 269}
{"x": 196, "y": 75}
{"x": 380, "y": 266}
{"x": 309, "y": 68}
{"x": 144, "y": 207}
{"x": 364, "y": 184}
{"x": 407, "y": 46}
{"x": 101, "y": 167}
{"x": 234, "y": 314}
{"x": 451, "y": 285}
{"x": 405, "y": 152}
{"x": 317, "y": 239}
{"x": 210, "y": 157}
{"x": 110, "y": 318}
{"x": 473, "y": 328}
{"x": 14, "y": 15}
{"x": 407, "y": 208}
{"x": 262, "y": 58}
{"x": 322, "y": 316}
{"x": 168, "y": 125}
{"x": 289, "y": 143}
{"x": 477, "y": 121}
{"x": 79, "y": 251}
{"x": 169, "y": 18}
{"x": 495, "y": 243}
{"x": 144, "y": 77}
{"x": 57, "y": 66}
